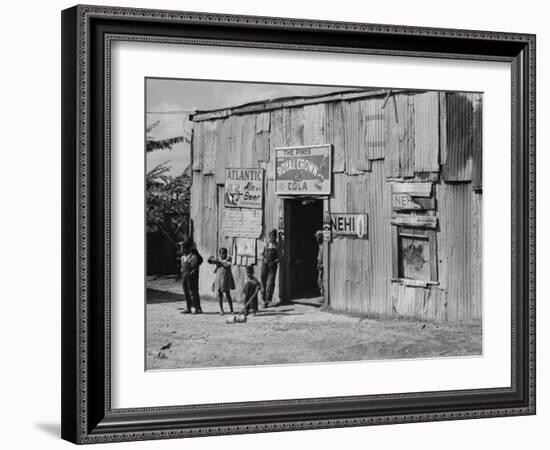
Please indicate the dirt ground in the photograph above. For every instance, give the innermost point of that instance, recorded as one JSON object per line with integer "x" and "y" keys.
{"x": 287, "y": 334}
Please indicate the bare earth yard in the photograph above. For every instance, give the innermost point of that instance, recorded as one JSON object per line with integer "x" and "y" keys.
{"x": 288, "y": 334}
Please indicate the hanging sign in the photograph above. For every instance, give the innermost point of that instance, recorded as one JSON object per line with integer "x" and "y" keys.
{"x": 244, "y": 188}
{"x": 412, "y": 196}
{"x": 303, "y": 170}
{"x": 349, "y": 225}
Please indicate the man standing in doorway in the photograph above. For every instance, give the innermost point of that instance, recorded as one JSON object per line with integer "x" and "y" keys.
{"x": 270, "y": 262}
{"x": 320, "y": 283}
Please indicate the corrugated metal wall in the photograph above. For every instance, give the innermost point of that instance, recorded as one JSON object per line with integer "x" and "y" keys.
{"x": 408, "y": 136}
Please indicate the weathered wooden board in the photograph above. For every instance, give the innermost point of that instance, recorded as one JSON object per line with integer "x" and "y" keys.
{"x": 407, "y": 202}
{"x": 422, "y": 303}
{"x": 414, "y": 189}
{"x": 414, "y": 221}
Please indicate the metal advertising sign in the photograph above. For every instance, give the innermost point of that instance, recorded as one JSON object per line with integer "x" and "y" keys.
{"x": 349, "y": 225}
{"x": 244, "y": 188}
{"x": 303, "y": 170}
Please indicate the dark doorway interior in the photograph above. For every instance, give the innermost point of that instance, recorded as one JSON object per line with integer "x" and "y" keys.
{"x": 303, "y": 218}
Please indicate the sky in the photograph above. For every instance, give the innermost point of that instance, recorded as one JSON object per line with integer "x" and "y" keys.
{"x": 169, "y": 102}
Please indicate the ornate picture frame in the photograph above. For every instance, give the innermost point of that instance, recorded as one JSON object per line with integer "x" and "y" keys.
{"x": 88, "y": 33}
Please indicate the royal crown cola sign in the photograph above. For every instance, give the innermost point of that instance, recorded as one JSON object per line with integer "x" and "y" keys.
{"x": 303, "y": 170}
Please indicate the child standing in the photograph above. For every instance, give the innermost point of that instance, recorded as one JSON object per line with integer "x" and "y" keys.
{"x": 250, "y": 291}
{"x": 224, "y": 281}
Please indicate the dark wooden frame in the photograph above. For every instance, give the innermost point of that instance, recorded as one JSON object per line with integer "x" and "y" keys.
{"x": 87, "y": 33}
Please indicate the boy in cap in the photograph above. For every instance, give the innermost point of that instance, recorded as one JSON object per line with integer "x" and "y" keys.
{"x": 190, "y": 263}
{"x": 250, "y": 291}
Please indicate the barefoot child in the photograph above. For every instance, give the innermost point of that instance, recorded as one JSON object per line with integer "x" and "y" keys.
{"x": 224, "y": 281}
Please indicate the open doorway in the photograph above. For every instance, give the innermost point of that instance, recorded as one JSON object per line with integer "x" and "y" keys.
{"x": 303, "y": 218}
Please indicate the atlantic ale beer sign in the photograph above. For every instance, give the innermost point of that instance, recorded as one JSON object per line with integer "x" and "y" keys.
{"x": 244, "y": 188}
{"x": 303, "y": 170}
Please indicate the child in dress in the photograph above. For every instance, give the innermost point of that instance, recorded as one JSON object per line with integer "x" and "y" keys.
{"x": 224, "y": 281}
{"x": 250, "y": 291}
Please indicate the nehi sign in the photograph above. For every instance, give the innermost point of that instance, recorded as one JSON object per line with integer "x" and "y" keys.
{"x": 349, "y": 225}
{"x": 303, "y": 170}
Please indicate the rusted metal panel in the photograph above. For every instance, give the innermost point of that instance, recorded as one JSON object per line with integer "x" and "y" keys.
{"x": 395, "y": 124}
{"x": 297, "y": 120}
{"x": 460, "y": 138}
{"x": 233, "y": 154}
{"x": 406, "y": 149}
{"x": 477, "y": 176}
{"x": 278, "y": 137}
{"x": 442, "y": 128}
{"x": 270, "y": 105}
{"x": 375, "y": 133}
{"x": 399, "y": 120}
{"x": 454, "y": 248}
{"x": 354, "y": 140}
{"x": 426, "y": 132}
{"x": 334, "y": 133}
{"x": 262, "y": 139}
{"x": 314, "y": 124}
{"x": 197, "y": 146}
{"x": 245, "y": 139}
{"x": 223, "y": 144}
{"x": 379, "y": 257}
{"x": 477, "y": 256}
{"x": 209, "y": 146}
{"x": 206, "y": 226}
{"x": 263, "y": 122}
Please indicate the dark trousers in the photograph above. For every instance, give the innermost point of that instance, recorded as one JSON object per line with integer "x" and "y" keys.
{"x": 253, "y": 305}
{"x": 268, "y": 281}
{"x": 190, "y": 284}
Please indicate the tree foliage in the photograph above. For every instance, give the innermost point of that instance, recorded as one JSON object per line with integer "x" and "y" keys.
{"x": 168, "y": 200}
{"x": 153, "y": 144}
{"x": 168, "y": 197}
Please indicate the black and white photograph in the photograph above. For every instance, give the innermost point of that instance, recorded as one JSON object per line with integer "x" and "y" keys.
{"x": 300, "y": 224}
